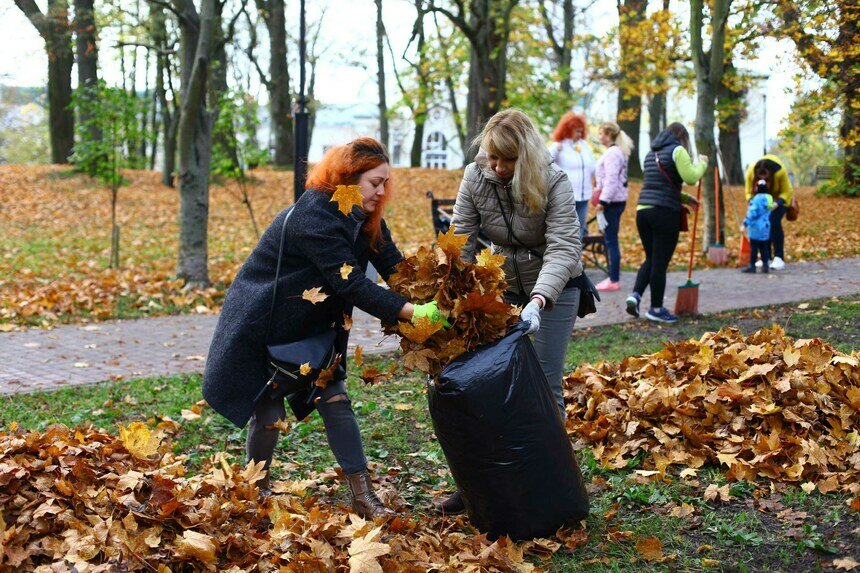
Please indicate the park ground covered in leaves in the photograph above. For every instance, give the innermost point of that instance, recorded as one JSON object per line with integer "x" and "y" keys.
{"x": 724, "y": 451}
{"x": 55, "y": 243}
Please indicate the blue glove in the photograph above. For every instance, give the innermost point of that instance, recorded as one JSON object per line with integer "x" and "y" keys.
{"x": 531, "y": 315}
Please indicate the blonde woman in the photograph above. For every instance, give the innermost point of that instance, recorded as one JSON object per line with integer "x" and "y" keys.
{"x": 610, "y": 197}
{"x": 525, "y": 204}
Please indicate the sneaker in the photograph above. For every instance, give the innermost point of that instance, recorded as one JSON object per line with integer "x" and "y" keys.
{"x": 777, "y": 264}
{"x": 758, "y": 264}
{"x": 661, "y": 315}
{"x": 633, "y": 304}
{"x": 608, "y": 285}
{"x": 749, "y": 269}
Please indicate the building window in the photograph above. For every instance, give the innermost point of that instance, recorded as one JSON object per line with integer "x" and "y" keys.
{"x": 435, "y": 152}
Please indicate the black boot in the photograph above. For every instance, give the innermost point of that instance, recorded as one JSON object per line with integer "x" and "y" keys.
{"x": 451, "y": 505}
{"x": 749, "y": 269}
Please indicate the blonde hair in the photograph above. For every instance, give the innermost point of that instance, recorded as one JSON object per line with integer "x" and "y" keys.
{"x": 621, "y": 139}
{"x": 512, "y": 134}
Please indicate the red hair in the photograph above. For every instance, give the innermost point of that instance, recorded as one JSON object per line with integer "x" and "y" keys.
{"x": 343, "y": 165}
{"x": 569, "y": 123}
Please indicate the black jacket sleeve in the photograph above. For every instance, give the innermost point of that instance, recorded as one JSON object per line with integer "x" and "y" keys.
{"x": 388, "y": 255}
{"x": 326, "y": 241}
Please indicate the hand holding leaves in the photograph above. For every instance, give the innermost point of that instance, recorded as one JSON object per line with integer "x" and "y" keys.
{"x": 431, "y": 312}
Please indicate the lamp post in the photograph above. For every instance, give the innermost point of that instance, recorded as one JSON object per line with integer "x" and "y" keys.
{"x": 300, "y": 127}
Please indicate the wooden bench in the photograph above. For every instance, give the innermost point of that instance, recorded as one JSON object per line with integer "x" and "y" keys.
{"x": 593, "y": 247}
{"x": 824, "y": 173}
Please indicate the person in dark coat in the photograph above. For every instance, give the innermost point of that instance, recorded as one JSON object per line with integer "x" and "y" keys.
{"x": 322, "y": 248}
{"x": 667, "y": 167}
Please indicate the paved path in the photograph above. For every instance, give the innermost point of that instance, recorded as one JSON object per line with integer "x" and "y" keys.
{"x": 74, "y": 355}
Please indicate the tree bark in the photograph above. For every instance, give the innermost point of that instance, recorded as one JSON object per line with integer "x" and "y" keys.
{"x": 85, "y": 44}
{"x": 628, "y": 104}
{"x": 848, "y": 131}
{"x": 218, "y": 87}
{"x": 710, "y": 68}
{"x": 195, "y": 142}
{"x": 655, "y": 114}
{"x": 56, "y": 31}
{"x": 488, "y": 30}
{"x": 562, "y": 48}
{"x": 380, "y": 75}
{"x": 731, "y": 106}
{"x": 629, "y": 107}
{"x": 278, "y": 81}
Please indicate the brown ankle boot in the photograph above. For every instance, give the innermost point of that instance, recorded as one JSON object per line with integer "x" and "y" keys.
{"x": 451, "y": 505}
{"x": 363, "y": 497}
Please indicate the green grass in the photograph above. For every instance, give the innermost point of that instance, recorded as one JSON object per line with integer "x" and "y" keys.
{"x": 398, "y": 432}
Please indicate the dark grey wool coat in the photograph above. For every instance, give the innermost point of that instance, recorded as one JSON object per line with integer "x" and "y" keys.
{"x": 319, "y": 240}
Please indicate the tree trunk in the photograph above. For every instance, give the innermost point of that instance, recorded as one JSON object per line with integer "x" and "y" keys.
{"x": 731, "y": 103}
{"x": 56, "y": 31}
{"x": 60, "y": 112}
{"x": 417, "y": 144}
{"x": 655, "y": 115}
{"x": 629, "y": 107}
{"x": 195, "y": 144}
{"x": 562, "y": 48}
{"x": 171, "y": 129}
{"x": 158, "y": 96}
{"x": 218, "y": 87}
{"x": 85, "y": 44}
{"x": 488, "y": 31}
{"x": 630, "y": 121}
{"x": 567, "y": 48}
{"x": 380, "y": 75}
{"x": 849, "y": 130}
{"x": 168, "y": 114}
{"x": 280, "y": 104}
{"x": 710, "y": 69}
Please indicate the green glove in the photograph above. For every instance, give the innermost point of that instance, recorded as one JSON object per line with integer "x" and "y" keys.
{"x": 429, "y": 310}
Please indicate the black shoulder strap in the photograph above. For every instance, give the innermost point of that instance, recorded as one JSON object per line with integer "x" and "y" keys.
{"x": 532, "y": 252}
{"x": 278, "y": 272}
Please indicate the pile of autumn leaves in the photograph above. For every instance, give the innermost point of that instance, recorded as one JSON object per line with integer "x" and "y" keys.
{"x": 87, "y": 499}
{"x": 763, "y": 406}
{"x": 469, "y": 295}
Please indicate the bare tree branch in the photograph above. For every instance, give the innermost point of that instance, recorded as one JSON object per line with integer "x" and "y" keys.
{"x": 151, "y": 47}
{"x": 231, "y": 26}
{"x": 36, "y": 17}
{"x": 167, "y": 6}
{"x": 458, "y": 19}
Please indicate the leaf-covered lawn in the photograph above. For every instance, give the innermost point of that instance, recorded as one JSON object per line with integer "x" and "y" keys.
{"x": 56, "y": 239}
{"x": 640, "y": 521}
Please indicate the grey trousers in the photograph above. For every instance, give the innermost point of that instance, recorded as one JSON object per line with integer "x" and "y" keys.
{"x": 551, "y": 340}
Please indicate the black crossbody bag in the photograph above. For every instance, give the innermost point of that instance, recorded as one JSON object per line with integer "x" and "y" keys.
{"x": 285, "y": 360}
{"x": 587, "y": 290}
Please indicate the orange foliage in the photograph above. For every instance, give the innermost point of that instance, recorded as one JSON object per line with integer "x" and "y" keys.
{"x": 55, "y": 241}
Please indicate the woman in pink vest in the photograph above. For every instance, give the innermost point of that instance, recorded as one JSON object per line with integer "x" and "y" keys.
{"x": 610, "y": 195}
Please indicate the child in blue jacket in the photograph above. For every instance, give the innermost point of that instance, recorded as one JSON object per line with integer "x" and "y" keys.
{"x": 757, "y": 224}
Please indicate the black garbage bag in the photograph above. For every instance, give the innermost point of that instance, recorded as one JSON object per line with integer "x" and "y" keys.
{"x": 498, "y": 424}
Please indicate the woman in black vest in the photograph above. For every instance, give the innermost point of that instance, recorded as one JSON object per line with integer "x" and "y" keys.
{"x": 658, "y": 215}
{"x": 322, "y": 248}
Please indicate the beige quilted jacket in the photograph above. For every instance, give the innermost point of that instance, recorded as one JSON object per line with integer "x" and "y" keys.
{"x": 553, "y": 232}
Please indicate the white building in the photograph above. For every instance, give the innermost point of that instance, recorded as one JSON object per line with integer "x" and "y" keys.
{"x": 339, "y": 124}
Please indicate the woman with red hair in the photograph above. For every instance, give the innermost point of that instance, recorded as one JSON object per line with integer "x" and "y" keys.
{"x": 312, "y": 245}
{"x": 572, "y": 153}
